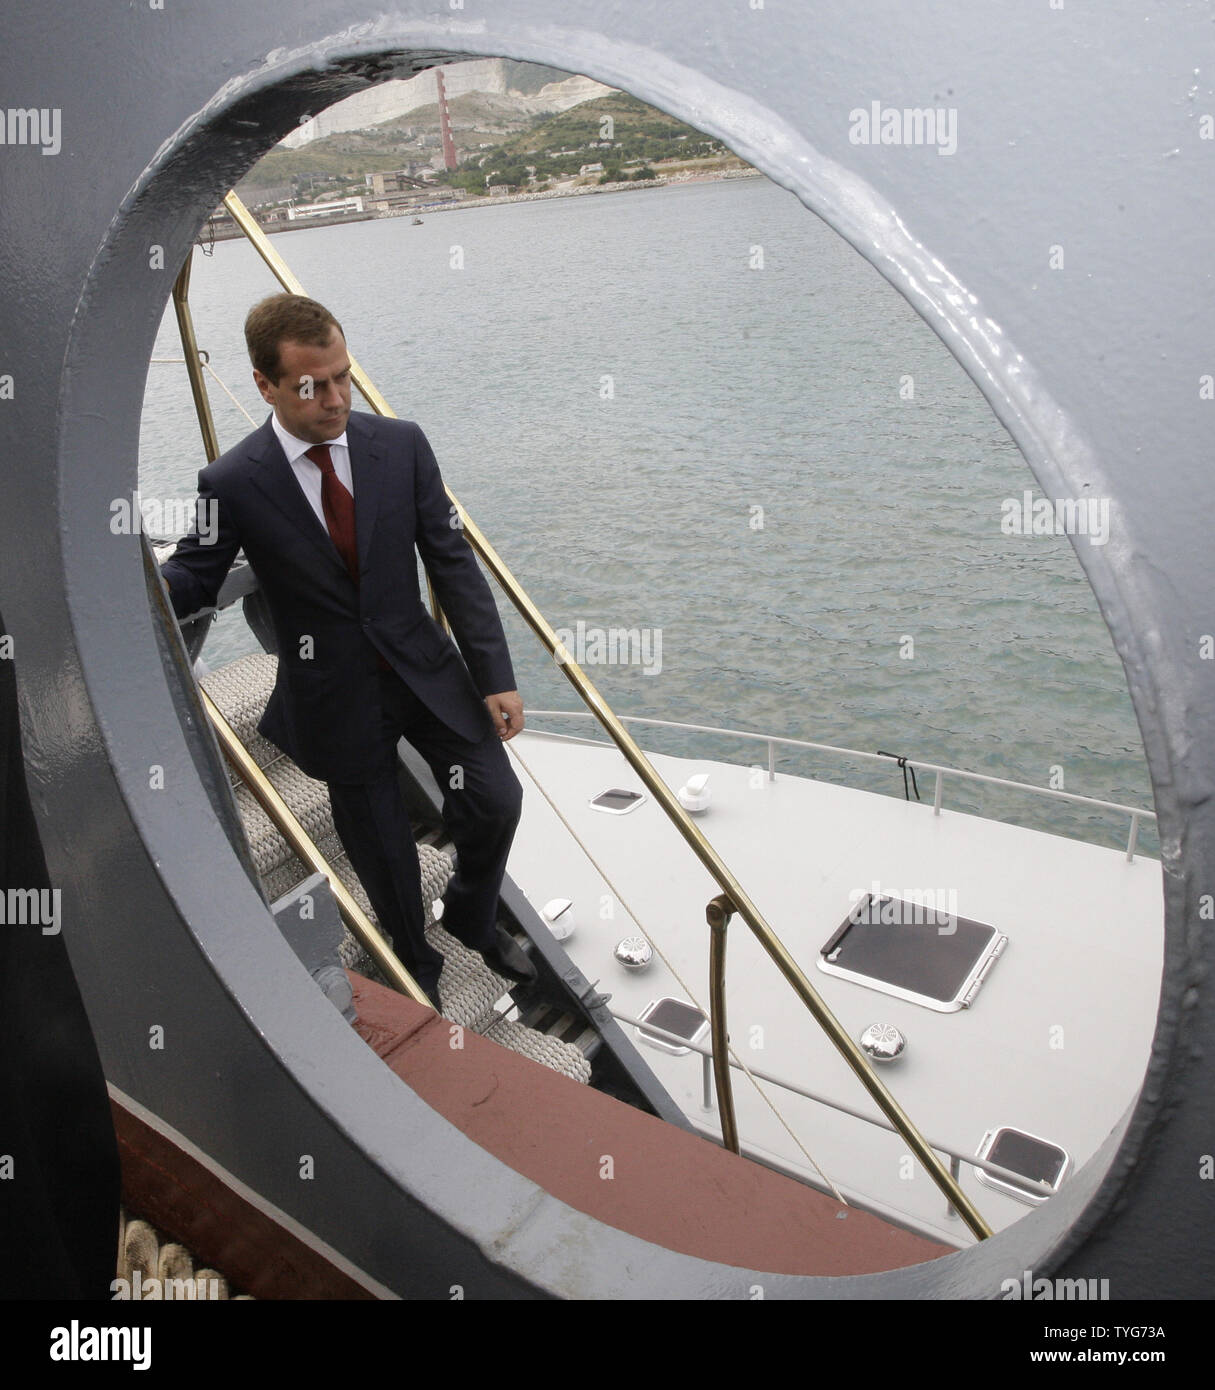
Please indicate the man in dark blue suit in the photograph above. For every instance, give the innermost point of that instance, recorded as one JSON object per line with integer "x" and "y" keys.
{"x": 328, "y": 507}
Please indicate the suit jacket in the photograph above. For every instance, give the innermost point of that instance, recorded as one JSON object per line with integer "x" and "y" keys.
{"x": 323, "y": 712}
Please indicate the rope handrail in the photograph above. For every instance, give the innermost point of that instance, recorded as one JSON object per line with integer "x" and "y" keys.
{"x": 305, "y": 849}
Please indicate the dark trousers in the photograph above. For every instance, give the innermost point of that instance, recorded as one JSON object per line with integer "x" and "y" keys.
{"x": 482, "y": 799}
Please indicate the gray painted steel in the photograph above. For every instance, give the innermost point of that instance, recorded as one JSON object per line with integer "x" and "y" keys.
{"x": 1078, "y": 127}
{"x": 309, "y": 918}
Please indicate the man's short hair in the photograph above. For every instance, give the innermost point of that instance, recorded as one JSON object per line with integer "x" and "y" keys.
{"x": 285, "y": 318}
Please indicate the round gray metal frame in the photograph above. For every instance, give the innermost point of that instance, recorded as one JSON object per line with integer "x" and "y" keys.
{"x": 1061, "y": 250}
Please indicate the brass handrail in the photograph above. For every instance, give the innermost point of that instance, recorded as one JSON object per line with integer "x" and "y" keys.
{"x": 302, "y": 845}
{"x": 705, "y": 1052}
{"x": 718, "y": 914}
{"x": 662, "y": 794}
{"x": 189, "y": 347}
{"x": 263, "y": 790}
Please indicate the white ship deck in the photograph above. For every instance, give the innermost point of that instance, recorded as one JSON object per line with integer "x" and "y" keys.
{"x": 1055, "y": 1042}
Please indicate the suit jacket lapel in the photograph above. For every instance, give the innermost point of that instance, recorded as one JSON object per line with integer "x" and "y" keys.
{"x": 367, "y": 473}
{"x": 275, "y": 478}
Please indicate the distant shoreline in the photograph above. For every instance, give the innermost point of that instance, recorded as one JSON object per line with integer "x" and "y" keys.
{"x": 427, "y": 209}
{"x": 623, "y": 186}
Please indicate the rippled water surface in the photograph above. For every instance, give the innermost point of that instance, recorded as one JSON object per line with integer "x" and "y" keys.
{"x": 657, "y": 432}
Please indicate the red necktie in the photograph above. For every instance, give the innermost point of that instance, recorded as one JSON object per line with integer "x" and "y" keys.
{"x": 338, "y": 506}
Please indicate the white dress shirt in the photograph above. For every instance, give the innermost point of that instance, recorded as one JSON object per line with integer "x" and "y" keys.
{"x": 308, "y": 474}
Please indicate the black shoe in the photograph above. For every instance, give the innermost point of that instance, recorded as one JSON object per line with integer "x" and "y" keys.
{"x": 432, "y": 993}
{"x": 506, "y": 957}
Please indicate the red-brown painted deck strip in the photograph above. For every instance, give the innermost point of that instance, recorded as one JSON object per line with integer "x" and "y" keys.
{"x": 666, "y": 1186}
{"x": 168, "y": 1187}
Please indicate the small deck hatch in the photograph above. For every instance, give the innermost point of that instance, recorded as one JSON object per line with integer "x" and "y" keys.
{"x": 616, "y": 801}
{"x": 1034, "y": 1158}
{"x": 673, "y": 1016}
{"x": 919, "y": 951}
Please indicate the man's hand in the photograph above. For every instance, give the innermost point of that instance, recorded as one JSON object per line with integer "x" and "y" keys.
{"x": 506, "y": 710}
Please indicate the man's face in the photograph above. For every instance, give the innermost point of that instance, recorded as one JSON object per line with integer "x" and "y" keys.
{"x": 312, "y": 396}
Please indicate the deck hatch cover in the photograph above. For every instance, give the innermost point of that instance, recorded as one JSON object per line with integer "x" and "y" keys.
{"x": 913, "y": 950}
{"x": 1016, "y": 1149}
{"x": 617, "y": 801}
{"x": 672, "y": 1016}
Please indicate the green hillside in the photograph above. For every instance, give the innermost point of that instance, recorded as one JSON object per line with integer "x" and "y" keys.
{"x": 324, "y": 160}
{"x": 615, "y": 130}
{"x": 618, "y": 131}
{"x": 638, "y": 130}
{"x": 476, "y": 117}
{"x": 528, "y": 78}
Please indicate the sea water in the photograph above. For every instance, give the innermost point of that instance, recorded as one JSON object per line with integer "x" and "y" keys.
{"x": 694, "y": 417}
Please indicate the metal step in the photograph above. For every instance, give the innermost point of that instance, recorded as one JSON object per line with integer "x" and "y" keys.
{"x": 556, "y": 1022}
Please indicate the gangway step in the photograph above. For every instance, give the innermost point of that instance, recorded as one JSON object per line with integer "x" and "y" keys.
{"x": 556, "y": 1022}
